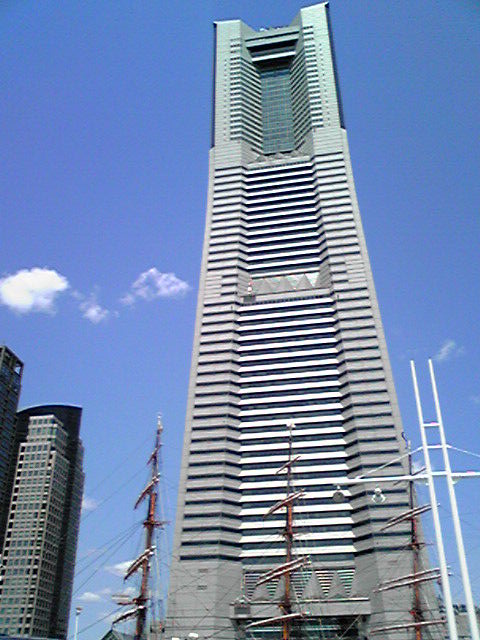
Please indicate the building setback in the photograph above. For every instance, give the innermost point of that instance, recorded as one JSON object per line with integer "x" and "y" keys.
{"x": 39, "y": 550}
{"x": 11, "y": 369}
{"x": 287, "y": 328}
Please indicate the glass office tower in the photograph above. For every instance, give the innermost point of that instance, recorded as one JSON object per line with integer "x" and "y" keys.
{"x": 287, "y": 328}
{"x": 38, "y": 559}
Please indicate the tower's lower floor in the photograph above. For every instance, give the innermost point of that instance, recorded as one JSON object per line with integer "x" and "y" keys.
{"x": 346, "y": 619}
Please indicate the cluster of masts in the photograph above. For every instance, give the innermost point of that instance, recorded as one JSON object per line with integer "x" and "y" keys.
{"x": 284, "y": 571}
{"x": 418, "y": 576}
{"x": 287, "y": 615}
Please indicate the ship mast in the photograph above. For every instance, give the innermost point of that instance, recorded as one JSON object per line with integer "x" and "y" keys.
{"x": 142, "y": 563}
{"x": 289, "y": 566}
{"x": 417, "y": 604}
{"x": 287, "y": 602}
{"x": 418, "y": 577}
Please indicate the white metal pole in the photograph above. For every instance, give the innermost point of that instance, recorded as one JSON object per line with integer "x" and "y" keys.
{"x": 447, "y": 596}
{"x": 472, "y": 620}
{"x": 78, "y": 611}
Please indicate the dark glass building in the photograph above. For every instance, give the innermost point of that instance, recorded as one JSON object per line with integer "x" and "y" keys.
{"x": 11, "y": 369}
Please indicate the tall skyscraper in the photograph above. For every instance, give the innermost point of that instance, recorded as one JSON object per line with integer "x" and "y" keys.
{"x": 287, "y": 328}
{"x": 38, "y": 558}
{"x": 11, "y": 369}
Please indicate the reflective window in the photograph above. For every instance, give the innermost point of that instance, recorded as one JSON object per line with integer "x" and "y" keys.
{"x": 277, "y": 116}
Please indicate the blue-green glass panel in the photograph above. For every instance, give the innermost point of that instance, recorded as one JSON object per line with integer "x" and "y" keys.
{"x": 277, "y": 118}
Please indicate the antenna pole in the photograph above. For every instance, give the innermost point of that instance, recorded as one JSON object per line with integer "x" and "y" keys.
{"x": 455, "y": 517}
{"x": 452, "y": 627}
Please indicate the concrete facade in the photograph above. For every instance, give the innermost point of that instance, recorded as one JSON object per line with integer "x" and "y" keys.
{"x": 287, "y": 328}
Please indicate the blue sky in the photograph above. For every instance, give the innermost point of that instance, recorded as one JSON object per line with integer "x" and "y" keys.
{"x": 104, "y": 129}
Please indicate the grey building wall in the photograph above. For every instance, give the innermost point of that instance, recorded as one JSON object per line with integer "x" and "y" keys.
{"x": 38, "y": 556}
{"x": 287, "y": 328}
{"x": 11, "y": 369}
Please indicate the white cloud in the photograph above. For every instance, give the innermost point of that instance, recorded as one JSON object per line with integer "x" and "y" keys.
{"x": 448, "y": 350}
{"x": 476, "y": 399}
{"x": 153, "y": 284}
{"x": 32, "y": 290}
{"x": 96, "y": 596}
{"x": 90, "y": 596}
{"x": 90, "y": 308}
{"x": 119, "y": 569}
{"x": 88, "y": 504}
{"x": 92, "y": 311}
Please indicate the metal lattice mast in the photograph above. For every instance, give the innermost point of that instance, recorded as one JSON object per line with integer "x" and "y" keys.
{"x": 447, "y": 595}
{"x": 467, "y": 588}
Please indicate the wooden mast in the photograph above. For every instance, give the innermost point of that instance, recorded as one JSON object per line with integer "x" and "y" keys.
{"x": 287, "y": 601}
{"x": 149, "y": 524}
{"x": 142, "y": 563}
{"x": 285, "y": 570}
{"x": 417, "y": 577}
{"x": 417, "y": 604}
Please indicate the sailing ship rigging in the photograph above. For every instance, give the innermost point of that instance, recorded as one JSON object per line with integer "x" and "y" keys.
{"x": 287, "y": 614}
{"x": 292, "y": 619}
{"x": 142, "y": 564}
{"x": 291, "y": 611}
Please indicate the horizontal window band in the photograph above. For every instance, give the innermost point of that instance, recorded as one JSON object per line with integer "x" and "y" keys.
{"x": 385, "y": 534}
{"x": 314, "y": 558}
{"x": 207, "y": 440}
{"x": 206, "y": 463}
{"x": 377, "y": 549}
{"x": 304, "y": 516}
{"x": 250, "y": 546}
{"x": 367, "y": 428}
{"x": 212, "y": 528}
{"x": 210, "y": 451}
{"x": 211, "y": 514}
{"x": 358, "y": 442}
{"x": 263, "y": 453}
{"x": 199, "y": 503}
{"x": 363, "y": 466}
{"x": 210, "y": 543}
{"x": 217, "y": 556}
{"x": 215, "y": 489}
{"x": 379, "y": 506}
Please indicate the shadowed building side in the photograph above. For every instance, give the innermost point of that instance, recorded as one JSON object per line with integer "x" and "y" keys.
{"x": 11, "y": 369}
